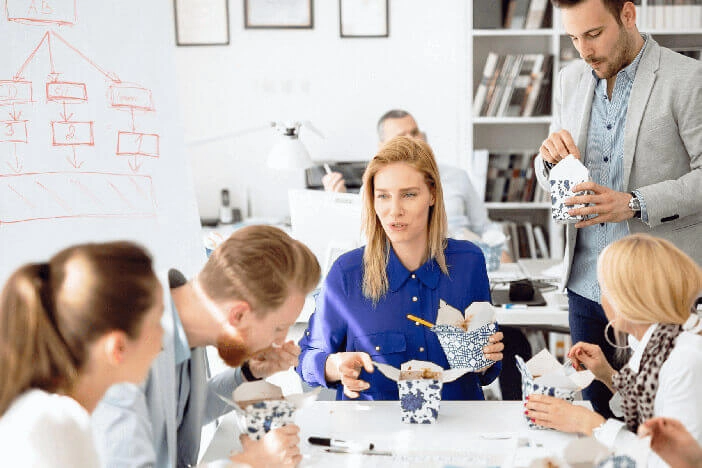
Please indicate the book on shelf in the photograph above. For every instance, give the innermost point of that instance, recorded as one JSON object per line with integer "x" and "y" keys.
{"x": 509, "y": 176}
{"x": 536, "y": 13}
{"x": 514, "y": 85}
{"x": 481, "y": 92}
{"x": 491, "y": 85}
{"x": 541, "y": 242}
{"x": 531, "y": 241}
{"x": 509, "y": 83}
{"x": 516, "y": 14}
{"x": 496, "y": 97}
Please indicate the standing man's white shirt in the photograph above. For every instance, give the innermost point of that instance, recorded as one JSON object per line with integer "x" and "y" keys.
{"x": 46, "y": 430}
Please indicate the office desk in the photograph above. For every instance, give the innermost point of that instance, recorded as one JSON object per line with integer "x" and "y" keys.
{"x": 471, "y": 433}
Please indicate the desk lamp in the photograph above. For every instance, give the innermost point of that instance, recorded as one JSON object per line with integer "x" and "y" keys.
{"x": 289, "y": 152}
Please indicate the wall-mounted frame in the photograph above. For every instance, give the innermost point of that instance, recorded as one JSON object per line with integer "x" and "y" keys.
{"x": 278, "y": 14}
{"x": 364, "y": 18}
{"x": 201, "y": 23}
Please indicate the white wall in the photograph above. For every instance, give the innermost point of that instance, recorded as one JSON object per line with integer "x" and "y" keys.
{"x": 341, "y": 85}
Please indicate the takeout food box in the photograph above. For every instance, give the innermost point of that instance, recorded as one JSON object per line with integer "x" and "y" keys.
{"x": 419, "y": 384}
{"x": 543, "y": 374}
{"x": 261, "y": 407}
{"x": 463, "y": 337}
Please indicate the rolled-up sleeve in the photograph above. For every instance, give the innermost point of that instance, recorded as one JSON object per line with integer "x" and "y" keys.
{"x": 326, "y": 332}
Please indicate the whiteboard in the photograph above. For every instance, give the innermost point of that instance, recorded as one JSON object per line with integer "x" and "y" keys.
{"x": 91, "y": 145}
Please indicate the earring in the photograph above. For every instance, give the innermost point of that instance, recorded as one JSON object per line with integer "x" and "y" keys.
{"x": 609, "y": 342}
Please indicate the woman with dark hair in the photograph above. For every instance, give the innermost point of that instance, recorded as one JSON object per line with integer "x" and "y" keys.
{"x": 69, "y": 329}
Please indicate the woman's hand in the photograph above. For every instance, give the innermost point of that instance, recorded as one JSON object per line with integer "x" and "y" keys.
{"x": 672, "y": 442}
{"x": 278, "y": 448}
{"x": 275, "y": 358}
{"x": 561, "y": 415}
{"x": 591, "y": 357}
{"x": 346, "y": 367}
{"x": 493, "y": 350}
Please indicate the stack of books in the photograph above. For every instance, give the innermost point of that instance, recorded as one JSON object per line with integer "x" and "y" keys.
{"x": 514, "y": 85}
{"x": 511, "y": 178}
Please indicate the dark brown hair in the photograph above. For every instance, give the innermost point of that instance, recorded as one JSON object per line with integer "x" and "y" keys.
{"x": 261, "y": 265}
{"x": 614, "y": 6}
{"x": 51, "y": 312}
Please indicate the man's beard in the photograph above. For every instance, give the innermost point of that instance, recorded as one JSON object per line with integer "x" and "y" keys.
{"x": 618, "y": 62}
{"x": 232, "y": 349}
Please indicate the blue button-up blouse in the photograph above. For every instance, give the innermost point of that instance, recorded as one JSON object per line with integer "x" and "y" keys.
{"x": 345, "y": 320}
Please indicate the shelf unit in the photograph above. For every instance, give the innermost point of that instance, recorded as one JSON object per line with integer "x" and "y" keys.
{"x": 504, "y": 134}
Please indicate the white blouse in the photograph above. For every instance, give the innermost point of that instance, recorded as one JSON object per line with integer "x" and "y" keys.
{"x": 678, "y": 394}
{"x": 46, "y": 430}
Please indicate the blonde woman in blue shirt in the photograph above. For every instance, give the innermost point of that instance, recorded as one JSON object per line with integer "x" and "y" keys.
{"x": 407, "y": 266}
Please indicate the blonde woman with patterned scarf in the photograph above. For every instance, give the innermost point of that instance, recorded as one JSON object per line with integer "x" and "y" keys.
{"x": 649, "y": 291}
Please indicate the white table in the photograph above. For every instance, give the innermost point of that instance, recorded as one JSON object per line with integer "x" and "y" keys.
{"x": 484, "y": 433}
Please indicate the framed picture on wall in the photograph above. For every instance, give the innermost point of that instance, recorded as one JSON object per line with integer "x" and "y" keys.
{"x": 201, "y": 23}
{"x": 278, "y": 14}
{"x": 363, "y": 18}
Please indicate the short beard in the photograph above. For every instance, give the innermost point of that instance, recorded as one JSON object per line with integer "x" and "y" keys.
{"x": 232, "y": 349}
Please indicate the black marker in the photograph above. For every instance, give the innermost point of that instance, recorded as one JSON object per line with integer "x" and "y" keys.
{"x": 340, "y": 444}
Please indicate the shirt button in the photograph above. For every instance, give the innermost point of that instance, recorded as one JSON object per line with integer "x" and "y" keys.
{"x": 307, "y": 333}
{"x": 601, "y": 224}
{"x": 606, "y": 159}
{"x": 609, "y": 126}
{"x": 413, "y": 276}
{"x": 377, "y": 348}
{"x": 414, "y": 299}
{"x": 421, "y": 349}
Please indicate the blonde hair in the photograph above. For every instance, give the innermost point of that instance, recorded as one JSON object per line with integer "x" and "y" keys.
{"x": 50, "y": 313}
{"x": 649, "y": 280}
{"x": 417, "y": 154}
{"x": 261, "y": 265}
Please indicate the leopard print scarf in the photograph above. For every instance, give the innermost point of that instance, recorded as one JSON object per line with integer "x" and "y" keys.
{"x": 638, "y": 390}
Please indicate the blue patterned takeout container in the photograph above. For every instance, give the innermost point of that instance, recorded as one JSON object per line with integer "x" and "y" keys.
{"x": 544, "y": 375}
{"x": 419, "y": 384}
{"x": 463, "y": 337}
{"x": 261, "y": 407}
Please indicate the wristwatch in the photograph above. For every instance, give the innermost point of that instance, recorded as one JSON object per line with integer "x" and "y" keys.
{"x": 635, "y": 205}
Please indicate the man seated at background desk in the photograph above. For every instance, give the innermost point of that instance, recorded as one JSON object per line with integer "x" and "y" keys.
{"x": 464, "y": 208}
{"x": 407, "y": 267}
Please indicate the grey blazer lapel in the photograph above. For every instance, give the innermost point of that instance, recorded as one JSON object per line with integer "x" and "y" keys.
{"x": 586, "y": 90}
{"x": 640, "y": 93}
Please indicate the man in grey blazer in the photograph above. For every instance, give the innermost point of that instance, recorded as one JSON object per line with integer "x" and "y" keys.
{"x": 249, "y": 293}
{"x": 632, "y": 112}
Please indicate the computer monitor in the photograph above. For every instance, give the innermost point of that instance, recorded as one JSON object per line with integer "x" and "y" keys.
{"x": 329, "y": 223}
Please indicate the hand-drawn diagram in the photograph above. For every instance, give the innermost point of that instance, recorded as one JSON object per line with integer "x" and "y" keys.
{"x": 78, "y": 189}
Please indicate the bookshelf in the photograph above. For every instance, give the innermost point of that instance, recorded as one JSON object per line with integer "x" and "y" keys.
{"x": 677, "y": 25}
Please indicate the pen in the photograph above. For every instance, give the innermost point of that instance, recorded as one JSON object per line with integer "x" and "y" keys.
{"x": 339, "y": 444}
{"x": 327, "y": 169}
{"x": 515, "y": 306}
